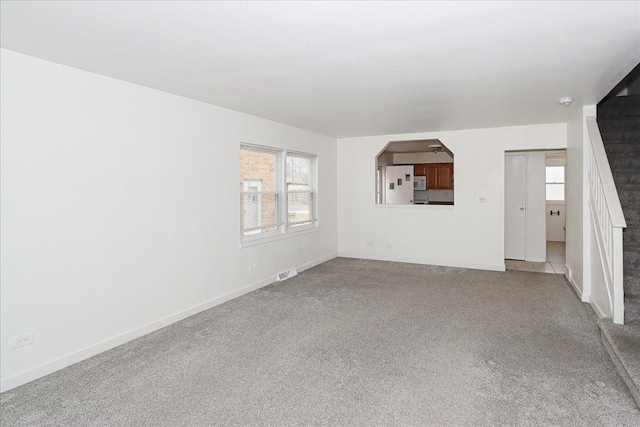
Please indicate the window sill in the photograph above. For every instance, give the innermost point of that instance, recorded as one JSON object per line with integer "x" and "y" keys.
{"x": 259, "y": 240}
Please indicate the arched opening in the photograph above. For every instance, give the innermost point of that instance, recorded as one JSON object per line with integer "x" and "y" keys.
{"x": 418, "y": 172}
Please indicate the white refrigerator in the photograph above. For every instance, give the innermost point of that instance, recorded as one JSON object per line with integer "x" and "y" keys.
{"x": 398, "y": 185}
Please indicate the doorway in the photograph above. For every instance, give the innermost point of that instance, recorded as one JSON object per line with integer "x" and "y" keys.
{"x": 535, "y": 211}
{"x": 556, "y": 212}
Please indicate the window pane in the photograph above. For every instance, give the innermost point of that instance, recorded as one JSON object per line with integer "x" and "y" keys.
{"x": 258, "y": 210}
{"x": 555, "y": 192}
{"x": 555, "y": 173}
{"x": 300, "y": 208}
{"x": 298, "y": 173}
{"x": 258, "y": 169}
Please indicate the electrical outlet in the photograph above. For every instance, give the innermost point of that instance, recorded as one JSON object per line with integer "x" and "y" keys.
{"x": 22, "y": 340}
{"x": 389, "y": 245}
{"x": 253, "y": 267}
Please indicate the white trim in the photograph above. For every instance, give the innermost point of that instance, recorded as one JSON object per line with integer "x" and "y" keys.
{"x": 278, "y": 235}
{"x": 277, "y": 192}
{"x": 438, "y": 262}
{"x": 313, "y": 185}
{"x": 606, "y": 177}
{"x": 291, "y": 225}
{"x": 92, "y": 350}
{"x": 295, "y": 153}
{"x": 597, "y": 309}
{"x": 264, "y": 148}
{"x": 246, "y": 230}
{"x": 312, "y": 264}
{"x": 607, "y": 219}
{"x": 427, "y": 206}
{"x": 608, "y": 275}
{"x": 573, "y": 284}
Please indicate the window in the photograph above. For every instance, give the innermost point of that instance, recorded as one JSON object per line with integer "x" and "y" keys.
{"x": 555, "y": 183}
{"x": 277, "y": 190}
{"x": 260, "y": 193}
{"x": 301, "y": 194}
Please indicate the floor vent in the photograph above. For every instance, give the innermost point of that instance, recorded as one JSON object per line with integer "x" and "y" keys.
{"x": 286, "y": 274}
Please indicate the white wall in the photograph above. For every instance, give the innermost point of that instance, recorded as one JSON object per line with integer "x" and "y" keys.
{"x": 555, "y": 223}
{"x": 468, "y": 234}
{"x": 576, "y": 196}
{"x": 120, "y": 211}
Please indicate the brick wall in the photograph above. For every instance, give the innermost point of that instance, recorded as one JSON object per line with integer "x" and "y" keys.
{"x": 260, "y": 168}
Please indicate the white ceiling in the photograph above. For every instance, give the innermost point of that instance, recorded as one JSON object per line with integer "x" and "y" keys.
{"x": 348, "y": 68}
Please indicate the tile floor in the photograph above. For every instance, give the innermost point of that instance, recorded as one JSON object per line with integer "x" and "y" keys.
{"x": 555, "y": 261}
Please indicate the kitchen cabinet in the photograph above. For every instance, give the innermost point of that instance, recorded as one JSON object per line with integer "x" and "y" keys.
{"x": 439, "y": 175}
{"x": 445, "y": 176}
{"x": 432, "y": 176}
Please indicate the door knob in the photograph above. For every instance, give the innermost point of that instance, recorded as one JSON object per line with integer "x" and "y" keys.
{"x": 522, "y": 208}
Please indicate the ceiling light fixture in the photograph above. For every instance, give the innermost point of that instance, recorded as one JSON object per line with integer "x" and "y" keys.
{"x": 565, "y": 101}
{"x": 436, "y": 147}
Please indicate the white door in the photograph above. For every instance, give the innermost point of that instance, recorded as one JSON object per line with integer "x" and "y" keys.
{"x": 515, "y": 217}
{"x": 399, "y": 185}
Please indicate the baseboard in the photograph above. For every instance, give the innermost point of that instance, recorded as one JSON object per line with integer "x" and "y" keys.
{"x": 443, "y": 263}
{"x": 319, "y": 261}
{"x": 597, "y": 309}
{"x": 573, "y": 284}
{"x": 584, "y": 298}
{"x": 87, "y": 352}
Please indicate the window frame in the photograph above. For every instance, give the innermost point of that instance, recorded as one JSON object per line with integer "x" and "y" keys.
{"x": 563, "y": 183}
{"x": 313, "y": 190}
{"x": 283, "y": 228}
{"x": 277, "y": 191}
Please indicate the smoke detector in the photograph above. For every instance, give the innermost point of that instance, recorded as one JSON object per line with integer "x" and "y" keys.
{"x": 565, "y": 101}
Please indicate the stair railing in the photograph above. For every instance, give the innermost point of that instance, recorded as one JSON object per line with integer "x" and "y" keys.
{"x": 608, "y": 219}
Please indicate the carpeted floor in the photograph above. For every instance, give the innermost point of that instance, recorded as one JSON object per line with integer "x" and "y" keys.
{"x": 354, "y": 342}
